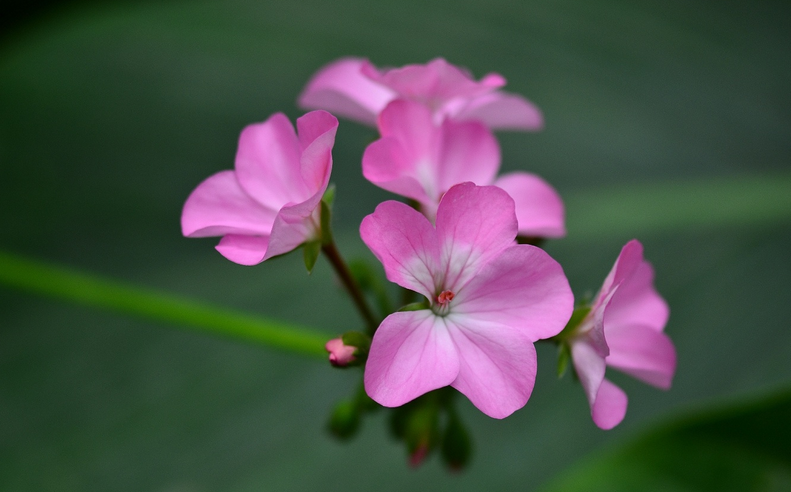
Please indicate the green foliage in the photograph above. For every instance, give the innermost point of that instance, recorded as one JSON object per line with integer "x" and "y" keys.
{"x": 742, "y": 447}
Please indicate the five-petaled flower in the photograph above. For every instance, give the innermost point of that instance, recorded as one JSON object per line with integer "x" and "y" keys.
{"x": 270, "y": 203}
{"x": 489, "y": 299}
{"x": 624, "y": 330}
{"x": 354, "y": 88}
{"x": 420, "y": 159}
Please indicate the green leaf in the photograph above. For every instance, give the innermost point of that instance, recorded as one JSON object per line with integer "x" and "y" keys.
{"x": 310, "y": 253}
{"x": 738, "y": 447}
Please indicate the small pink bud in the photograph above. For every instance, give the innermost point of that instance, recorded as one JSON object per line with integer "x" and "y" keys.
{"x": 418, "y": 455}
{"x": 340, "y": 355}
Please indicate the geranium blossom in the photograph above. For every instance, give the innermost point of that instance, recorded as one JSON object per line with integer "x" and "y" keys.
{"x": 421, "y": 160}
{"x": 354, "y": 88}
{"x": 489, "y": 299}
{"x": 624, "y": 330}
{"x": 269, "y": 204}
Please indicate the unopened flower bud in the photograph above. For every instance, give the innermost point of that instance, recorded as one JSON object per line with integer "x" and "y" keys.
{"x": 456, "y": 444}
{"x": 344, "y": 420}
{"x": 340, "y": 355}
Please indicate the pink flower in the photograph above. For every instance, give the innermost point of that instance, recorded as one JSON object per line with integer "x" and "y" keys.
{"x": 421, "y": 160}
{"x": 624, "y": 330}
{"x": 269, "y": 204}
{"x": 489, "y": 300}
{"x": 340, "y": 355}
{"x": 354, "y": 88}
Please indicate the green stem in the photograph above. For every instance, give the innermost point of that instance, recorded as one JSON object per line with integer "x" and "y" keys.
{"x": 90, "y": 290}
{"x": 335, "y": 259}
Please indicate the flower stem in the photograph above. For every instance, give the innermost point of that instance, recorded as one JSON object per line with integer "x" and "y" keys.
{"x": 335, "y": 259}
{"x": 55, "y": 281}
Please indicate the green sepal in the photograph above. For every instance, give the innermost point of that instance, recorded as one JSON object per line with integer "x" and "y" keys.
{"x": 564, "y": 356}
{"x": 329, "y": 195}
{"x": 456, "y": 446}
{"x": 326, "y": 219}
{"x": 415, "y": 306}
{"x": 310, "y": 254}
{"x": 579, "y": 314}
{"x": 344, "y": 419}
{"x": 357, "y": 339}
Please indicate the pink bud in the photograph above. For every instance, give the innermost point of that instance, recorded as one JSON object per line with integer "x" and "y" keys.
{"x": 418, "y": 455}
{"x": 340, "y": 355}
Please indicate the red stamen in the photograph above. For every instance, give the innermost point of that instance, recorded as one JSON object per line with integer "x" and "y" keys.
{"x": 445, "y": 297}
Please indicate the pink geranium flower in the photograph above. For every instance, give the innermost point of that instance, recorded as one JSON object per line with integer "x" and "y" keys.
{"x": 354, "y": 88}
{"x": 269, "y": 204}
{"x": 420, "y": 159}
{"x": 624, "y": 330}
{"x": 489, "y": 299}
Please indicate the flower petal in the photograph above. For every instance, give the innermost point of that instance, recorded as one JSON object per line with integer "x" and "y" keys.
{"x": 411, "y": 354}
{"x": 244, "y": 250}
{"x": 523, "y": 288}
{"x": 609, "y": 408}
{"x": 468, "y": 152}
{"x": 293, "y": 226}
{"x": 219, "y": 206}
{"x": 642, "y": 352}
{"x": 502, "y": 111}
{"x": 497, "y": 365}
{"x": 590, "y": 368}
{"x": 316, "y": 137}
{"x": 434, "y": 82}
{"x": 636, "y": 301}
{"x": 341, "y": 88}
{"x": 386, "y": 165}
{"x": 406, "y": 244}
{"x": 625, "y": 265}
{"x": 268, "y": 163}
{"x": 474, "y": 224}
{"x": 539, "y": 208}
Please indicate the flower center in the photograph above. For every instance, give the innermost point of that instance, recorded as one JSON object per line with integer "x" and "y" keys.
{"x": 445, "y": 297}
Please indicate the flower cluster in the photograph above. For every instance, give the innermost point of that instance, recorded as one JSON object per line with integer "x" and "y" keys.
{"x": 458, "y": 243}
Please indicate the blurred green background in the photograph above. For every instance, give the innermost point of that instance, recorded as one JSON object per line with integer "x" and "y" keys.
{"x": 669, "y": 121}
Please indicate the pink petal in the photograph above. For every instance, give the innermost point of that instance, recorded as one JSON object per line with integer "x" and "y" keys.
{"x": 268, "y": 163}
{"x": 523, "y": 288}
{"x": 341, "y": 88}
{"x": 590, "y": 368}
{"x": 433, "y": 82}
{"x": 642, "y": 352}
{"x": 219, "y": 206}
{"x": 636, "y": 302}
{"x": 412, "y": 126}
{"x": 411, "y": 354}
{"x": 469, "y": 152}
{"x": 497, "y": 365}
{"x": 316, "y": 137}
{"x": 244, "y": 250}
{"x": 502, "y": 111}
{"x": 406, "y": 244}
{"x": 474, "y": 225}
{"x": 627, "y": 262}
{"x": 386, "y": 165}
{"x": 294, "y": 225}
{"x": 539, "y": 208}
{"x": 609, "y": 408}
